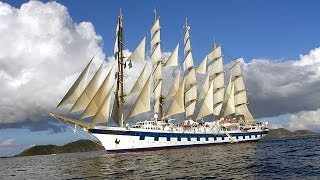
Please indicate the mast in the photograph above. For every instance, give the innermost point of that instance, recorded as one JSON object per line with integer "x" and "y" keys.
{"x": 216, "y": 74}
{"x": 190, "y": 75}
{"x": 157, "y": 66}
{"x": 120, "y": 82}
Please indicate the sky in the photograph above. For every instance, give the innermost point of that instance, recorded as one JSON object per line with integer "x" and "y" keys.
{"x": 45, "y": 44}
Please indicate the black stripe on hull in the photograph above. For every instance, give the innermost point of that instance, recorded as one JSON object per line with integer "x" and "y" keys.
{"x": 172, "y": 147}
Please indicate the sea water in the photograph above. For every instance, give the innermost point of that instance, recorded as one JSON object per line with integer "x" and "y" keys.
{"x": 290, "y": 158}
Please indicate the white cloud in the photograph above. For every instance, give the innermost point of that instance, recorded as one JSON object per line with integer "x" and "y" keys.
{"x": 42, "y": 52}
{"x": 7, "y": 142}
{"x": 305, "y": 120}
{"x": 287, "y": 86}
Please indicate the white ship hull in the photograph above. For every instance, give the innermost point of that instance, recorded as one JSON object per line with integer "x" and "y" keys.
{"x": 116, "y": 139}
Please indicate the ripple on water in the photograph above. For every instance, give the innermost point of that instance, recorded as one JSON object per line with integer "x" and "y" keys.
{"x": 286, "y": 158}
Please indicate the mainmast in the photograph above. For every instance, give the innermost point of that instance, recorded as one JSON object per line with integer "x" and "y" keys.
{"x": 190, "y": 75}
{"x": 120, "y": 79}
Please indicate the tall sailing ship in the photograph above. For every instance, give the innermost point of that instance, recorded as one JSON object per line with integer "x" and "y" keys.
{"x": 182, "y": 114}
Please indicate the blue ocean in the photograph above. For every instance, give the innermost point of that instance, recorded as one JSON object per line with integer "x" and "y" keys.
{"x": 287, "y": 158}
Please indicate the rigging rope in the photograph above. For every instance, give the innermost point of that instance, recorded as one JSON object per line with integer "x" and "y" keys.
{"x": 66, "y": 123}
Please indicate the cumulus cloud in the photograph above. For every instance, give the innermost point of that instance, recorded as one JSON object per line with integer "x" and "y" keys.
{"x": 305, "y": 120}
{"x": 42, "y": 52}
{"x": 280, "y": 87}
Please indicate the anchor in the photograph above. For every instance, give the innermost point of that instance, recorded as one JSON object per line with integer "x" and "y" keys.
{"x": 117, "y": 141}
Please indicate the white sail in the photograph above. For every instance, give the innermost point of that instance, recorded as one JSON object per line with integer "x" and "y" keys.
{"x": 239, "y": 84}
{"x": 157, "y": 73}
{"x": 88, "y": 93}
{"x": 173, "y": 58}
{"x": 155, "y": 42}
{"x": 217, "y": 109}
{"x": 155, "y": 39}
{"x": 202, "y": 68}
{"x": 228, "y": 91}
{"x": 216, "y": 53}
{"x": 188, "y": 59}
{"x": 116, "y": 49}
{"x": 157, "y": 95}
{"x": 177, "y": 104}
{"x": 191, "y": 78}
{"x": 156, "y": 54}
{"x": 204, "y": 89}
{"x": 244, "y": 111}
{"x": 216, "y": 67}
{"x": 138, "y": 85}
{"x": 139, "y": 53}
{"x": 78, "y": 86}
{"x": 103, "y": 112}
{"x": 155, "y": 27}
{"x": 240, "y": 98}
{"x": 191, "y": 94}
{"x": 218, "y": 101}
{"x": 218, "y": 82}
{"x": 97, "y": 99}
{"x": 175, "y": 86}
{"x": 207, "y": 105}
{"x": 142, "y": 104}
{"x": 230, "y": 108}
{"x": 115, "y": 114}
{"x": 190, "y": 109}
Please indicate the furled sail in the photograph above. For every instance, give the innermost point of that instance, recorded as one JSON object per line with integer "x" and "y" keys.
{"x": 103, "y": 112}
{"x": 98, "y": 98}
{"x": 177, "y": 104}
{"x": 88, "y": 93}
{"x": 77, "y": 88}
{"x": 173, "y": 58}
{"x": 142, "y": 104}
{"x": 139, "y": 53}
{"x": 207, "y": 104}
{"x": 202, "y": 68}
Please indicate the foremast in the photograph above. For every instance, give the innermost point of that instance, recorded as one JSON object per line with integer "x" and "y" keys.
{"x": 157, "y": 66}
{"x": 119, "y": 93}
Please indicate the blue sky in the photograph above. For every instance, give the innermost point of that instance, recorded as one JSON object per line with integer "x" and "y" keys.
{"x": 249, "y": 29}
{"x": 273, "y": 30}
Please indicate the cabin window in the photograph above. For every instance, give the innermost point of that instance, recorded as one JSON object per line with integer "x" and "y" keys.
{"x": 249, "y": 136}
{"x": 237, "y": 137}
{"x": 156, "y": 138}
{"x": 198, "y": 138}
{"x": 215, "y": 138}
{"x": 179, "y": 138}
{"x": 142, "y": 138}
{"x": 189, "y": 138}
{"x": 256, "y": 136}
{"x": 244, "y": 137}
{"x": 222, "y": 138}
{"x": 207, "y": 138}
{"x": 260, "y": 135}
{"x": 168, "y": 139}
